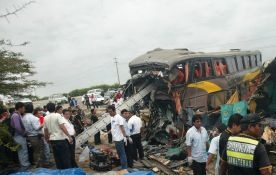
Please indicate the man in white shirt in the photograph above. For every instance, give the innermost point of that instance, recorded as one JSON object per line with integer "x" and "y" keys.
{"x": 34, "y": 133}
{"x": 134, "y": 125}
{"x": 70, "y": 128}
{"x": 57, "y": 134}
{"x": 129, "y": 146}
{"x": 214, "y": 150}
{"x": 118, "y": 134}
{"x": 197, "y": 143}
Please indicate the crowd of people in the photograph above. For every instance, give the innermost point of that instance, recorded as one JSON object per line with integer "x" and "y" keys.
{"x": 239, "y": 149}
{"x": 28, "y": 135}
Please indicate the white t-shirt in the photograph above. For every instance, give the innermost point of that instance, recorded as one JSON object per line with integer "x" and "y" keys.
{"x": 52, "y": 122}
{"x": 134, "y": 125}
{"x": 116, "y": 132}
{"x": 70, "y": 127}
{"x": 197, "y": 140}
{"x": 214, "y": 149}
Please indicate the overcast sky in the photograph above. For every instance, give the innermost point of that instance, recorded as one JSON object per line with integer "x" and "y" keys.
{"x": 73, "y": 43}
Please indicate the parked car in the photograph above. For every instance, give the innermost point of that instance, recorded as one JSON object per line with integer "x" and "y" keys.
{"x": 58, "y": 99}
{"x": 99, "y": 99}
{"x": 109, "y": 94}
{"x": 24, "y": 100}
{"x": 94, "y": 91}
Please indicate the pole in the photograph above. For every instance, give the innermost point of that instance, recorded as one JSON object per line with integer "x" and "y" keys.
{"x": 116, "y": 63}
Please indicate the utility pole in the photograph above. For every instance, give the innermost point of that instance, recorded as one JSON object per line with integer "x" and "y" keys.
{"x": 116, "y": 63}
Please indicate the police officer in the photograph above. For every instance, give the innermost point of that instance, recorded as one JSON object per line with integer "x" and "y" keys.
{"x": 244, "y": 154}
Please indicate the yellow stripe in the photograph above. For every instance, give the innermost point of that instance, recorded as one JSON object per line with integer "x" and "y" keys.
{"x": 240, "y": 155}
{"x": 206, "y": 86}
{"x": 244, "y": 140}
{"x": 251, "y": 75}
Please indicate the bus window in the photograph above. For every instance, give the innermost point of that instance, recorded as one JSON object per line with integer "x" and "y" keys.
{"x": 197, "y": 70}
{"x": 239, "y": 63}
{"x": 208, "y": 69}
{"x": 246, "y": 62}
{"x": 220, "y": 67}
{"x": 259, "y": 60}
{"x": 253, "y": 60}
{"x": 181, "y": 74}
{"x": 231, "y": 64}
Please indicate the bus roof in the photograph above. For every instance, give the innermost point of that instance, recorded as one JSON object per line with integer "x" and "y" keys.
{"x": 169, "y": 57}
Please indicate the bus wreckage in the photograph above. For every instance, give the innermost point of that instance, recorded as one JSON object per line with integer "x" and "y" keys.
{"x": 189, "y": 82}
{"x": 167, "y": 87}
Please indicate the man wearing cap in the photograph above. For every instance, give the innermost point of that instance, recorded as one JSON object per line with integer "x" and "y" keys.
{"x": 244, "y": 154}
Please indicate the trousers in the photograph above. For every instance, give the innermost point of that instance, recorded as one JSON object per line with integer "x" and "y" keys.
{"x": 37, "y": 147}
{"x": 137, "y": 146}
{"x": 199, "y": 168}
{"x": 23, "y": 151}
{"x": 120, "y": 148}
{"x": 62, "y": 154}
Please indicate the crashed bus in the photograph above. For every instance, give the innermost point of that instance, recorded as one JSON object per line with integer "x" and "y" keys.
{"x": 167, "y": 87}
{"x": 188, "y": 81}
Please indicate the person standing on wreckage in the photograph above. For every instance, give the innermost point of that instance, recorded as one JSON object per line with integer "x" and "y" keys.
{"x": 197, "y": 144}
{"x": 118, "y": 134}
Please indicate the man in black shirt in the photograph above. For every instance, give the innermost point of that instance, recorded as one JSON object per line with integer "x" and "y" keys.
{"x": 233, "y": 128}
{"x": 94, "y": 119}
{"x": 244, "y": 154}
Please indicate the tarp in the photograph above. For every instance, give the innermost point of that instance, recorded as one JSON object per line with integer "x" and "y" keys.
{"x": 228, "y": 109}
{"x": 44, "y": 171}
{"x": 226, "y": 112}
{"x": 141, "y": 173}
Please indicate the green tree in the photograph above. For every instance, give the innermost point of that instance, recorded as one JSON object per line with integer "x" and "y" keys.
{"x": 15, "y": 72}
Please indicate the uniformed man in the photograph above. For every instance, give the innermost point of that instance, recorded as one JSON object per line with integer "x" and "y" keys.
{"x": 244, "y": 154}
{"x": 233, "y": 128}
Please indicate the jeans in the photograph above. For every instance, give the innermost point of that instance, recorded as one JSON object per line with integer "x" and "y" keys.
{"x": 120, "y": 147}
{"x": 137, "y": 146}
{"x": 62, "y": 153}
{"x": 23, "y": 151}
{"x": 46, "y": 151}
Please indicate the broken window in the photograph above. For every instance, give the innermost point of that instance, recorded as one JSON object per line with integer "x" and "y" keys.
{"x": 220, "y": 67}
{"x": 197, "y": 70}
{"x": 202, "y": 69}
{"x": 181, "y": 73}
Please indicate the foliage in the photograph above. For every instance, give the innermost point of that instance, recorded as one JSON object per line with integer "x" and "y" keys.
{"x": 15, "y": 72}
{"x": 79, "y": 92}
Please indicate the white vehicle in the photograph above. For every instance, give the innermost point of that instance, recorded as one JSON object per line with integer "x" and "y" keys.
{"x": 94, "y": 91}
{"x": 99, "y": 99}
{"x": 109, "y": 94}
{"x": 58, "y": 99}
{"x": 25, "y": 100}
